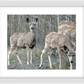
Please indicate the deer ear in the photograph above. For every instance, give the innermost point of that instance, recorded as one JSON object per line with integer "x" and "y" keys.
{"x": 27, "y": 19}
{"x": 36, "y": 19}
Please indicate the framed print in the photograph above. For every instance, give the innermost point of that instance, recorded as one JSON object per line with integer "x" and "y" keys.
{"x": 39, "y": 41}
{"x": 16, "y": 28}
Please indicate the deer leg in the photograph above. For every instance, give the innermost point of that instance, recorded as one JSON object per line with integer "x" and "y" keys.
{"x": 71, "y": 66}
{"x": 43, "y": 51}
{"x": 27, "y": 54}
{"x": 60, "y": 57}
{"x": 9, "y": 54}
{"x": 18, "y": 56}
{"x": 49, "y": 54}
{"x": 31, "y": 56}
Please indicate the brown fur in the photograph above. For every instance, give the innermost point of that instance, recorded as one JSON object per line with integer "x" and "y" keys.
{"x": 23, "y": 40}
{"x": 56, "y": 41}
{"x": 67, "y": 23}
{"x": 69, "y": 28}
{"x": 20, "y": 39}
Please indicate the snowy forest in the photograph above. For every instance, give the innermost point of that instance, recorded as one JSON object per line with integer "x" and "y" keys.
{"x": 45, "y": 25}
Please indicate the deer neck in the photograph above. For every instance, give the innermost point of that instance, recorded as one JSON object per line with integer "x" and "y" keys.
{"x": 33, "y": 33}
{"x": 68, "y": 44}
{"x": 70, "y": 47}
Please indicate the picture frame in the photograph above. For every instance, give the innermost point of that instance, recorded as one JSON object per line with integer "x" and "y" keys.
{"x": 41, "y": 4}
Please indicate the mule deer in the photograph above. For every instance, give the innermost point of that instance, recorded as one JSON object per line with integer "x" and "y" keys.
{"x": 57, "y": 41}
{"x": 73, "y": 24}
{"x": 69, "y": 28}
{"x": 23, "y": 40}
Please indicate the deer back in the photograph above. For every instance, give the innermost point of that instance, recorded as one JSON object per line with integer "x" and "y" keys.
{"x": 68, "y": 23}
{"x": 69, "y": 29}
{"x": 54, "y": 39}
{"x": 14, "y": 38}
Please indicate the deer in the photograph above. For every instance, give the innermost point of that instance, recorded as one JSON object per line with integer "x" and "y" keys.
{"x": 57, "y": 41}
{"x": 68, "y": 28}
{"x": 73, "y": 24}
{"x": 23, "y": 41}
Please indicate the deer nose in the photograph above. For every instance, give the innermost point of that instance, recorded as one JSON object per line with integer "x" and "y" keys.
{"x": 31, "y": 27}
{"x": 71, "y": 61}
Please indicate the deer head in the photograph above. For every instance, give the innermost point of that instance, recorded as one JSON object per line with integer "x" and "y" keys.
{"x": 71, "y": 55}
{"x": 32, "y": 25}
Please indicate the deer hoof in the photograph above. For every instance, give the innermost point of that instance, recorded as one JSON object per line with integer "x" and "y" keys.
{"x": 8, "y": 64}
{"x": 27, "y": 63}
{"x": 70, "y": 68}
{"x": 59, "y": 67}
{"x": 40, "y": 66}
{"x": 30, "y": 62}
{"x": 51, "y": 67}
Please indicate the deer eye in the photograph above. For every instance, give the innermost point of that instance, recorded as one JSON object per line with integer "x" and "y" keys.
{"x": 73, "y": 55}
